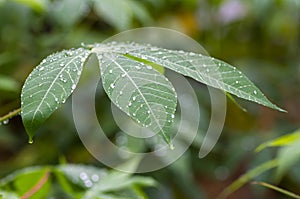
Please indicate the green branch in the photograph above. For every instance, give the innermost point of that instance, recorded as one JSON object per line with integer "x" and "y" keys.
{"x": 10, "y": 115}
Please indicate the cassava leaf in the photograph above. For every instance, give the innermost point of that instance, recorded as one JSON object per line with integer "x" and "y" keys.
{"x": 139, "y": 90}
{"x": 49, "y": 85}
{"x": 205, "y": 69}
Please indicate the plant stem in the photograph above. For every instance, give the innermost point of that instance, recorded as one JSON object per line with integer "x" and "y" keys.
{"x": 10, "y": 115}
{"x": 288, "y": 193}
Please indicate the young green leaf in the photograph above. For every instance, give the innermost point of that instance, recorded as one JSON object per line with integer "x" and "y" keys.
{"x": 140, "y": 91}
{"x": 205, "y": 69}
{"x": 281, "y": 141}
{"x": 49, "y": 85}
{"x": 245, "y": 178}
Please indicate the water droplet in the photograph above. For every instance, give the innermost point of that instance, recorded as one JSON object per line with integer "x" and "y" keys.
{"x": 30, "y": 96}
{"x": 112, "y": 85}
{"x": 134, "y": 114}
{"x": 121, "y": 92}
{"x": 149, "y": 67}
{"x": 68, "y": 53}
{"x": 123, "y": 75}
{"x": 134, "y": 98}
{"x": 173, "y": 116}
{"x": 236, "y": 82}
{"x": 95, "y": 178}
{"x": 255, "y": 92}
{"x": 5, "y": 121}
{"x": 73, "y": 86}
{"x": 61, "y": 64}
{"x": 148, "y": 112}
{"x": 30, "y": 141}
{"x": 88, "y": 183}
{"x": 83, "y": 176}
{"x": 129, "y": 104}
{"x": 138, "y": 67}
{"x": 110, "y": 71}
{"x": 41, "y": 68}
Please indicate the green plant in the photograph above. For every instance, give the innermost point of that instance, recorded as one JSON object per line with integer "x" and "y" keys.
{"x": 287, "y": 156}
{"x": 128, "y": 68}
{"x": 75, "y": 181}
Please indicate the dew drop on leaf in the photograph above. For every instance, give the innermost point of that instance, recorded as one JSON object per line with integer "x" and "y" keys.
{"x": 5, "y": 121}
{"x": 83, "y": 176}
{"x": 95, "y": 178}
{"x": 88, "y": 183}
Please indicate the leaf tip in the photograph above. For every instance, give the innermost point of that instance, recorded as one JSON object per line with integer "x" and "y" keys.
{"x": 30, "y": 140}
{"x": 171, "y": 146}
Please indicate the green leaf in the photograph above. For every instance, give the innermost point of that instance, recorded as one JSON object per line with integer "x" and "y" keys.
{"x": 8, "y": 84}
{"x": 281, "y": 141}
{"x": 82, "y": 175}
{"x": 37, "y": 5}
{"x": 34, "y": 185}
{"x": 120, "y": 13}
{"x": 31, "y": 181}
{"x": 116, "y": 12}
{"x": 241, "y": 181}
{"x": 63, "y": 11}
{"x": 287, "y": 157}
{"x": 205, "y": 69}
{"x": 49, "y": 85}
{"x": 139, "y": 90}
{"x": 116, "y": 181}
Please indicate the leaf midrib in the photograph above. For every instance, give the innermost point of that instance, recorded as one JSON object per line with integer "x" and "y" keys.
{"x": 53, "y": 82}
{"x": 131, "y": 80}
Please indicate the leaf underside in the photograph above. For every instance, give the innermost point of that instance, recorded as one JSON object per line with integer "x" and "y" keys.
{"x": 49, "y": 85}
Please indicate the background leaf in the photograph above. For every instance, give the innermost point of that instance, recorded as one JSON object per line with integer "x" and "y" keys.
{"x": 281, "y": 141}
{"x": 120, "y": 13}
{"x": 82, "y": 175}
{"x": 8, "y": 84}
{"x": 49, "y": 85}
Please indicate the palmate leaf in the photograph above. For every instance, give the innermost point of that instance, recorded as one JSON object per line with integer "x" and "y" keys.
{"x": 205, "y": 69}
{"x": 139, "y": 90}
{"x": 49, "y": 85}
{"x": 131, "y": 80}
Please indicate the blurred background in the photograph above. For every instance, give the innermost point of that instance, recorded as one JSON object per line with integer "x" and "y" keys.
{"x": 260, "y": 37}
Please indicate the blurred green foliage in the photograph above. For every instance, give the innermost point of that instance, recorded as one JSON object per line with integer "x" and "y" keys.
{"x": 260, "y": 37}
